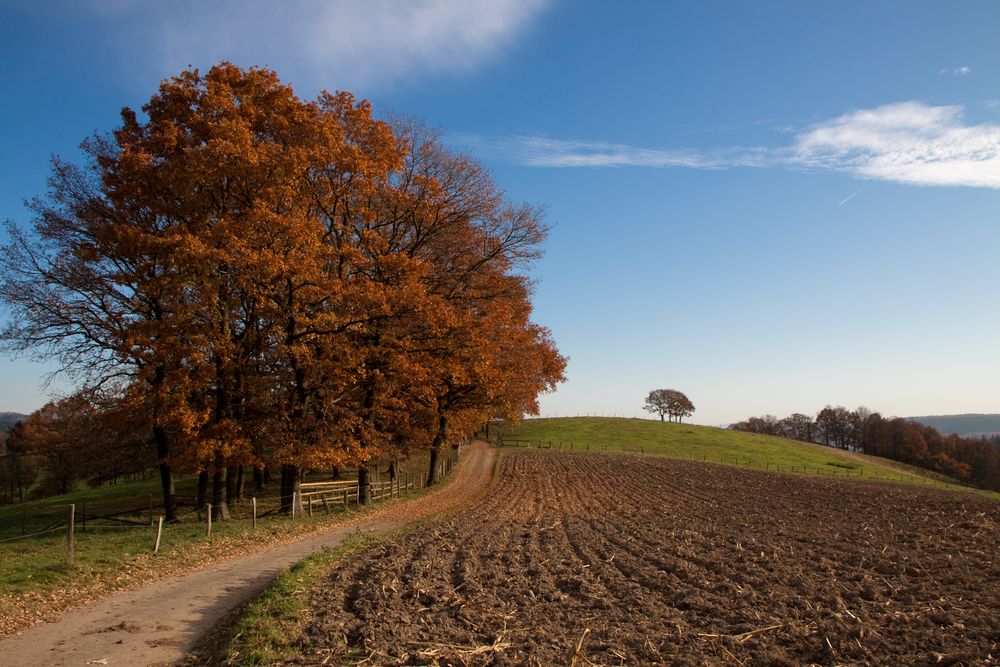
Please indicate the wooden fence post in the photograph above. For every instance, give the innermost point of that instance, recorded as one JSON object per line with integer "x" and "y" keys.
{"x": 159, "y": 533}
{"x": 69, "y": 535}
{"x": 208, "y": 520}
{"x": 253, "y": 501}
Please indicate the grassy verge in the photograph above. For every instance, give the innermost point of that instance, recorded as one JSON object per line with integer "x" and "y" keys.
{"x": 266, "y": 631}
{"x": 704, "y": 443}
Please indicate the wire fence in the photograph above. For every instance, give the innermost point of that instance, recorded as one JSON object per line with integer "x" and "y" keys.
{"x": 39, "y": 533}
{"x": 127, "y": 526}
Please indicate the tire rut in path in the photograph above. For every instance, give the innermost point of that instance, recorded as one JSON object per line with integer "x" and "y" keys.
{"x": 159, "y": 623}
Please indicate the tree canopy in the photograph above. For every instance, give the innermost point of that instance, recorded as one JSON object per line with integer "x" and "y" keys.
{"x": 262, "y": 280}
{"x": 668, "y": 403}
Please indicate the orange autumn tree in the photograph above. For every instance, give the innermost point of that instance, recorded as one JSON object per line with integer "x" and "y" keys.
{"x": 97, "y": 286}
{"x": 281, "y": 282}
{"x": 248, "y": 167}
{"x": 444, "y": 218}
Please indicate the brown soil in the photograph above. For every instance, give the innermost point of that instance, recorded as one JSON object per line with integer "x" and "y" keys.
{"x": 583, "y": 559}
{"x": 159, "y": 623}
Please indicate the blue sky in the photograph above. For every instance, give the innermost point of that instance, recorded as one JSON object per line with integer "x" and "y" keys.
{"x": 771, "y": 206}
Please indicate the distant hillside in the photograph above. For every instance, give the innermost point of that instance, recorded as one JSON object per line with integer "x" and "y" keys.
{"x": 8, "y": 419}
{"x": 970, "y": 425}
{"x": 708, "y": 444}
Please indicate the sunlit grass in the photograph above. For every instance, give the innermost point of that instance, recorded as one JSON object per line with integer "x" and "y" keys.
{"x": 109, "y": 557}
{"x": 706, "y": 443}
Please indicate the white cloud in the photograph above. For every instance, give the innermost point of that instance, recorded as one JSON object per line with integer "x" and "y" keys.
{"x": 908, "y": 142}
{"x": 334, "y": 44}
{"x": 964, "y": 70}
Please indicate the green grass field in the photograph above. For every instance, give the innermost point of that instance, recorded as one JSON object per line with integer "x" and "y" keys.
{"x": 706, "y": 443}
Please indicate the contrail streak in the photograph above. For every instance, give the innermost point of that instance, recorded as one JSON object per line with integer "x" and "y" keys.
{"x": 849, "y": 198}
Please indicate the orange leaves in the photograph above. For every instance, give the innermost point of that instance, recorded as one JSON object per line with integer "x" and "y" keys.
{"x": 288, "y": 281}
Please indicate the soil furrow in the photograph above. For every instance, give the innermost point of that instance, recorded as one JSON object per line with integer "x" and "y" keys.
{"x": 646, "y": 561}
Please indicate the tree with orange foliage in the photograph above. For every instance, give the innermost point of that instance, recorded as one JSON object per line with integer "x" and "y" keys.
{"x": 283, "y": 282}
{"x": 471, "y": 336}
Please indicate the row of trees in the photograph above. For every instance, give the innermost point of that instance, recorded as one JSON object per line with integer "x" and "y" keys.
{"x": 669, "y": 403}
{"x": 254, "y": 279}
{"x": 975, "y": 460}
{"x": 69, "y": 440}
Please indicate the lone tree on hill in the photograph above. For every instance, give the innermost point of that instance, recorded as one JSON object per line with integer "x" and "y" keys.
{"x": 669, "y": 403}
{"x": 656, "y": 402}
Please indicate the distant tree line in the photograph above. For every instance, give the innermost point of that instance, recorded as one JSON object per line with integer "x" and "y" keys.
{"x": 973, "y": 460}
{"x": 71, "y": 440}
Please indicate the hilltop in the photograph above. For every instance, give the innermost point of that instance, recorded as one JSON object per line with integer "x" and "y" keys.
{"x": 688, "y": 441}
{"x": 967, "y": 425}
{"x": 8, "y": 419}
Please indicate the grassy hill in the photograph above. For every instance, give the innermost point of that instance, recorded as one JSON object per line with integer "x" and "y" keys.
{"x": 687, "y": 441}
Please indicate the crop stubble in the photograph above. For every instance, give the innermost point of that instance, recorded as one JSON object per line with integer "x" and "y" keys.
{"x": 628, "y": 560}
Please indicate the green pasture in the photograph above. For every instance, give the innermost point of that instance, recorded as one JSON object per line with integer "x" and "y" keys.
{"x": 107, "y": 550}
{"x": 706, "y": 443}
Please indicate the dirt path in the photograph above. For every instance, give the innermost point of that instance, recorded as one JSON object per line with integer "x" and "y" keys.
{"x": 160, "y": 623}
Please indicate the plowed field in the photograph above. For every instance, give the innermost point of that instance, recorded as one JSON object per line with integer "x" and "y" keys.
{"x": 589, "y": 559}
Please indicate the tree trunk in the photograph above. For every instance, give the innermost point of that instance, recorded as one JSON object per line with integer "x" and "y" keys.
{"x": 231, "y": 474}
{"x": 393, "y": 471}
{"x": 240, "y": 483}
{"x": 439, "y": 438}
{"x": 202, "y": 496}
{"x": 289, "y": 485}
{"x": 336, "y": 472}
{"x": 364, "y": 488}
{"x": 166, "y": 474}
{"x": 258, "y": 478}
{"x": 432, "y": 474}
{"x": 661, "y": 417}
{"x": 220, "y": 511}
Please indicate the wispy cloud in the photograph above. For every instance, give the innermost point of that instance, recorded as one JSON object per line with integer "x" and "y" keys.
{"x": 537, "y": 151}
{"x": 964, "y": 70}
{"x": 908, "y": 142}
{"x": 334, "y": 44}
